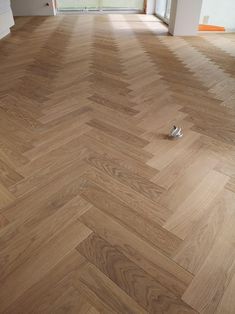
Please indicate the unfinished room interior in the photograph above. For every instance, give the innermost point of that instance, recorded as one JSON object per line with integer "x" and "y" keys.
{"x": 117, "y": 156}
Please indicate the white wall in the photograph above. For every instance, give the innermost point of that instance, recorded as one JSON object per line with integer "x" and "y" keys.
{"x": 32, "y": 7}
{"x": 218, "y": 12}
{"x": 160, "y": 7}
{"x": 6, "y": 18}
{"x": 185, "y": 16}
{"x": 150, "y": 7}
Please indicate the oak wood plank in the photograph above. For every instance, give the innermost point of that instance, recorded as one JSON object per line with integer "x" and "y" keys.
{"x": 168, "y": 273}
{"x": 150, "y": 231}
{"x": 123, "y": 175}
{"x": 32, "y": 270}
{"x": 130, "y": 278}
{"x": 105, "y": 293}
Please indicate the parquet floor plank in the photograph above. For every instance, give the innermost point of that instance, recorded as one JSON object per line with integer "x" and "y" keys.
{"x": 159, "y": 236}
{"x": 55, "y": 290}
{"x": 106, "y": 293}
{"x": 130, "y": 277}
{"x": 139, "y": 251}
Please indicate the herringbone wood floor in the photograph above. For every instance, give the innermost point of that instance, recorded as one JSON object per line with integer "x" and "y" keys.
{"x": 100, "y": 212}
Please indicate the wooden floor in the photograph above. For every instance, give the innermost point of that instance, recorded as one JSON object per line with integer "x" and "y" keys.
{"x": 99, "y": 211}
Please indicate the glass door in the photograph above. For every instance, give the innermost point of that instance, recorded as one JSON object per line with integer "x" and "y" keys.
{"x": 163, "y": 9}
{"x": 123, "y": 5}
{"x": 110, "y": 5}
{"x": 168, "y": 10}
{"x": 71, "y": 5}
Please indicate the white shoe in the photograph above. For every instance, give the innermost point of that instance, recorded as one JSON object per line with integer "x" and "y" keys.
{"x": 176, "y": 132}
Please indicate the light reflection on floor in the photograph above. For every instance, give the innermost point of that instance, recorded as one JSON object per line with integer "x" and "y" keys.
{"x": 138, "y": 21}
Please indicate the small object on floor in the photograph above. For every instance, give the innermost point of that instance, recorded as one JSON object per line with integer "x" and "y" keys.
{"x": 176, "y": 132}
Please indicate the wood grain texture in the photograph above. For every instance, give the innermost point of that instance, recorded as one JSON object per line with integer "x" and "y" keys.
{"x": 136, "y": 249}
{"x": 147, "y": 229}
{"x": 100, "y": 212}
{"x": 104, "y": 290}
{"x": 55, "y": 291}
{"x": 130, "y": 277}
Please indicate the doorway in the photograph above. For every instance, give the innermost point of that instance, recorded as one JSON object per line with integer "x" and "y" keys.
{"x": 100, "y": 5}
{"x": 163, "y": 10}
